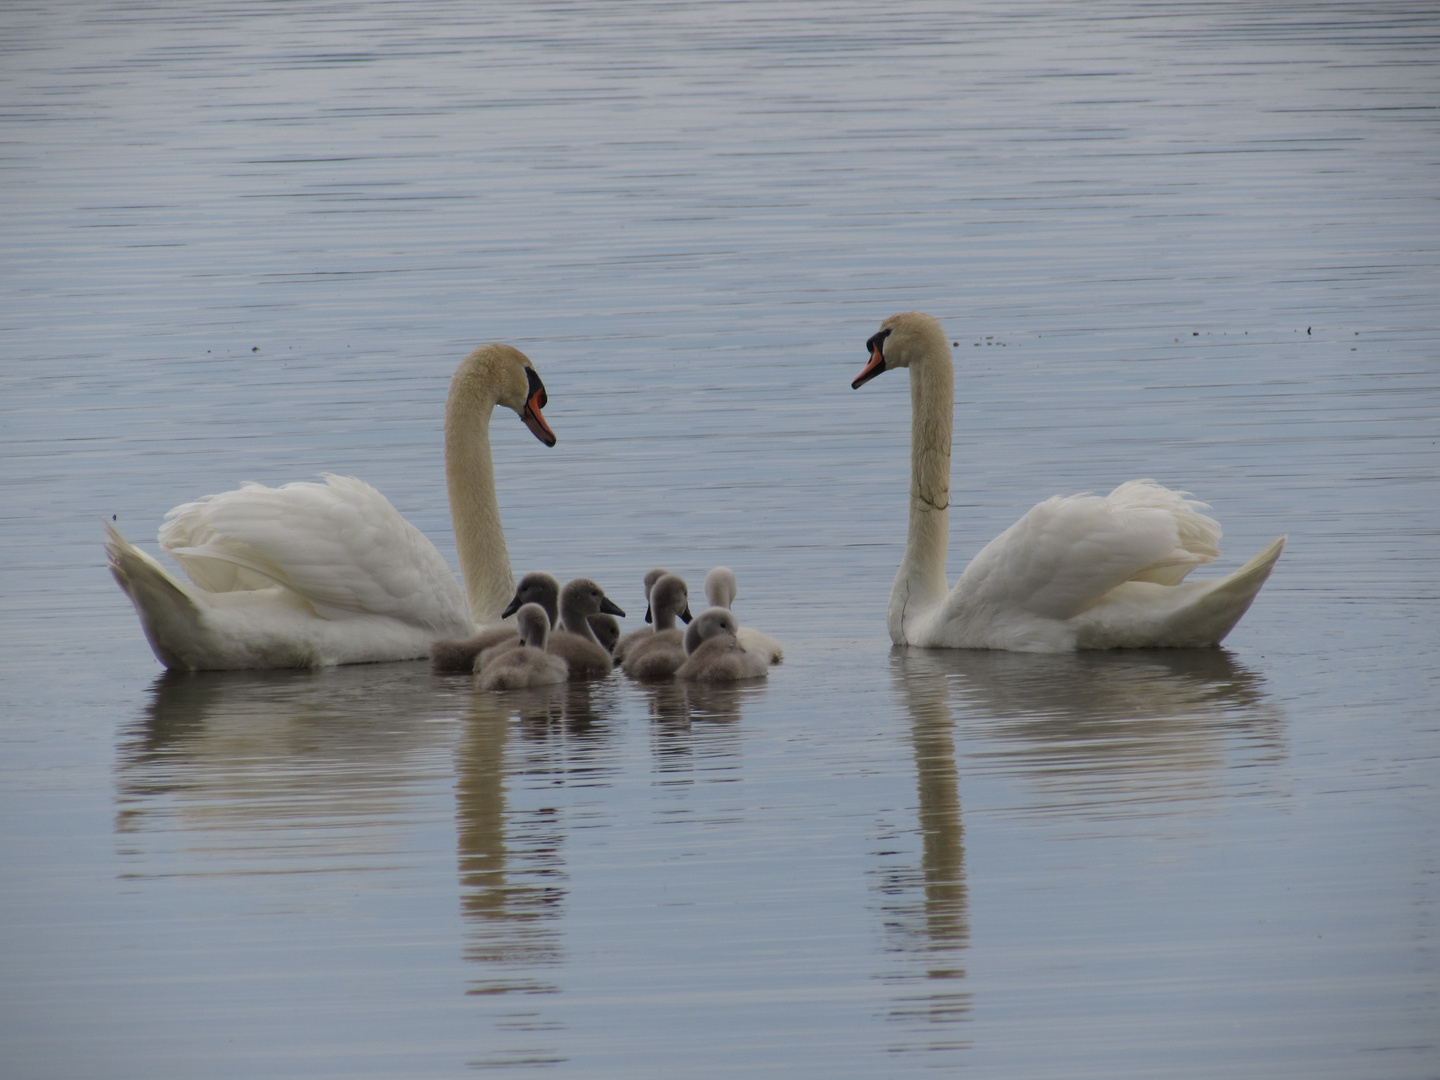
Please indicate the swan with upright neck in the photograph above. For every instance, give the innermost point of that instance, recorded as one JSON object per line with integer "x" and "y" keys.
{"x": 1077, "y": 572}
{"x": 308, "y": 574}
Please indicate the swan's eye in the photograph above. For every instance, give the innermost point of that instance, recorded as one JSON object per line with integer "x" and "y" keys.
{"x": 535, "y": 386}
{"x": 877, "y": 341}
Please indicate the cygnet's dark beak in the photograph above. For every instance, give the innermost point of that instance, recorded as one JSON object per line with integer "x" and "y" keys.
{"x": 610, "y": 607}
{"x": 685, "y": 615}
{"x": 515, "y": 604}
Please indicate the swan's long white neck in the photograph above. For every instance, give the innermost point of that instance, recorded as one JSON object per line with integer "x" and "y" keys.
{"x": 920, "y": 584}
{"x": 474, "y": 510}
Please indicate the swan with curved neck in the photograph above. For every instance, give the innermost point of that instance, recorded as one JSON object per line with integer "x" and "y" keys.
{"x": 311, "y": 574}
{"x": 1078, "y": 572}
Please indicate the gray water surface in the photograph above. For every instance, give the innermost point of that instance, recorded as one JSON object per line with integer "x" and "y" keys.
{"x": 1195, "y": 242}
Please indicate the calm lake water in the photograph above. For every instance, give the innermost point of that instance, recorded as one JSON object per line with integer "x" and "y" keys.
{"x": 1193, "y": 241}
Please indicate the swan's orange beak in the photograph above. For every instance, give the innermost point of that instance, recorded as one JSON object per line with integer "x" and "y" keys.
{"x": 873, "y": 368}
{"x": 534, "y": 419}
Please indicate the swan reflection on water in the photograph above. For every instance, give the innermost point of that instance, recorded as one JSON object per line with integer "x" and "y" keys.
{"x": 237, "y": 751}
{"x": 925, "y": 907}
{"x": 1098, "y": 733}
{"x": 1131, "y": 731}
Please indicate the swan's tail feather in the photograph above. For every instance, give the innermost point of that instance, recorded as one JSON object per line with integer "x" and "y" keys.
{"x": 1191, "y": 615}
{"x": 1216, "y": 611}
{"x": 167, "y": 611}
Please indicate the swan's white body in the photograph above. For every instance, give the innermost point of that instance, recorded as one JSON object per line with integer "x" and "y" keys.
{"x": 314, "y": 574}
{"x": 1081, "y": 572}
{"x": 721, "y": 590}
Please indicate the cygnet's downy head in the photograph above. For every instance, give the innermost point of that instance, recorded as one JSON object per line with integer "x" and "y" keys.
{"x": 651, "y": 577}
{"x": 533, "y": 624}
{"x": 536, "y": 587}
{"x": 670, "y": 600}
{"x": 720, "y": 587}
{"x": 709, "y": 623}
{"x": 581, "y": 598}
{"x": 606, "y": 629}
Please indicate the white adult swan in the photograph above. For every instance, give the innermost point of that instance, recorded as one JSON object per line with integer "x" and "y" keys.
{"x": 1074, "y": 573}
{"x": 314, "y": 574}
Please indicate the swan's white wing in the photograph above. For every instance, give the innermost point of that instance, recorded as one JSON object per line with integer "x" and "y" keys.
{"x": 1066, "y": 553}
{"x": 340, "y": 545}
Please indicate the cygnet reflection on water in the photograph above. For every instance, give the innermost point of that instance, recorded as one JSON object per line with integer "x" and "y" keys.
{"x": 528, "y": 664}
{"x": 715, "y": 653}
{"x": 662, "y": 653}
{"x": 676, "y": 704}
{"x": 720, "y": 591}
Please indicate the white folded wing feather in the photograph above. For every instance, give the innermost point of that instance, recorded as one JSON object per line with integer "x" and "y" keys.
{"x": 341, "y": 546}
